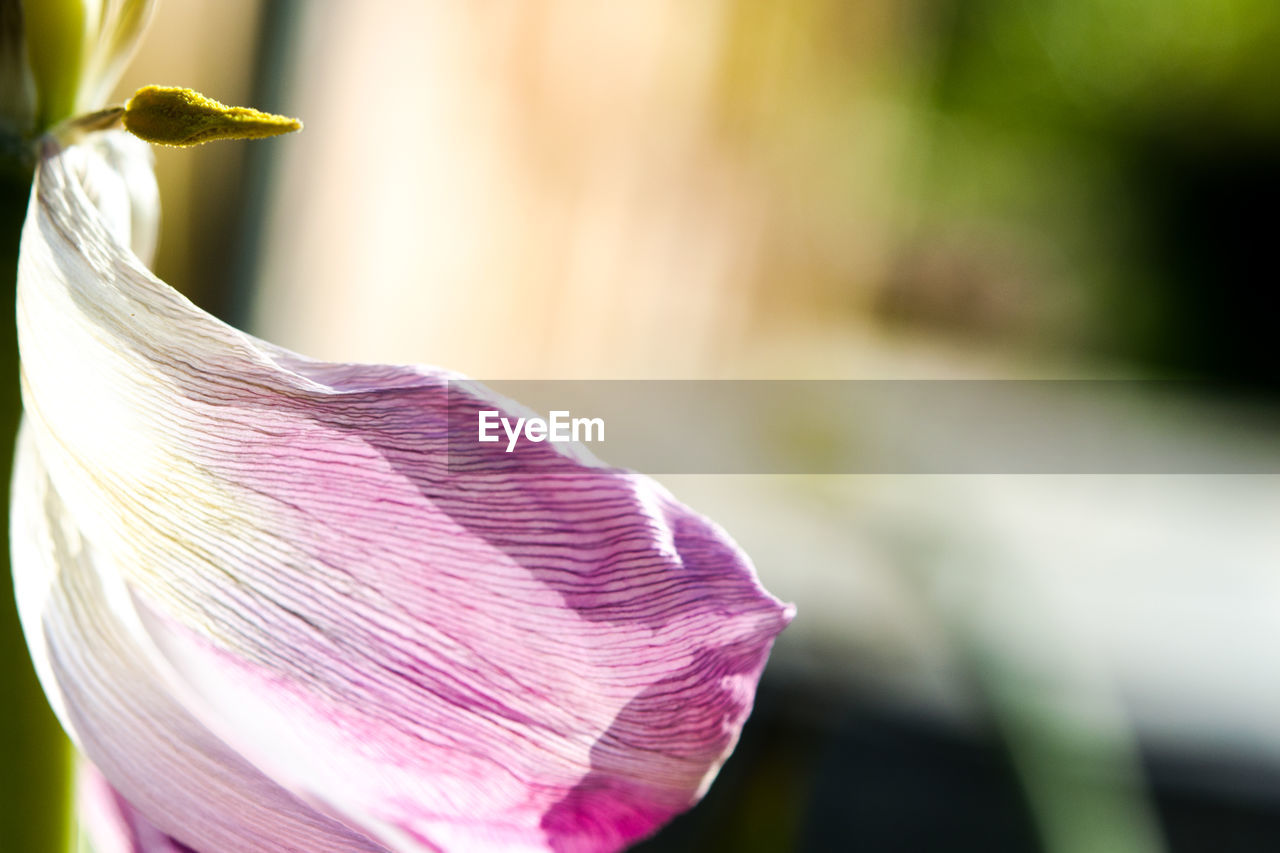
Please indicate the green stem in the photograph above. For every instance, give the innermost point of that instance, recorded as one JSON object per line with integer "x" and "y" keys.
{"x": 35, "y": 782}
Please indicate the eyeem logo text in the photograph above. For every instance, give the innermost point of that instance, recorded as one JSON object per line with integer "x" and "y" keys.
{"x": 560, "y": 428}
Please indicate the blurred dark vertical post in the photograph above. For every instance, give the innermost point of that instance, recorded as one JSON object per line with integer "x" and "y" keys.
{"x": 273, "y": 57}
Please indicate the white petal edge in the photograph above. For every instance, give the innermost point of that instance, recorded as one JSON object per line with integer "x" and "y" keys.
{"x": 119, "y": 702}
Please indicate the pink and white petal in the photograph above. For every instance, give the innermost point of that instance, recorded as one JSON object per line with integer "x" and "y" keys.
{"x": 121, "y": 183}
{"x": 544, "y": 656}
{"x": 115, "y": 698}
{"x": 557, "y": 662}
{"x": 109, "y": 823}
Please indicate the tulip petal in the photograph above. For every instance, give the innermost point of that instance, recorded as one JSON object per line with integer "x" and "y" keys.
{"x": 552, "y": 655}
{"x": 119, "y": 27}
{"x": 116, "y": 698}
{"x": 110, "y": 823}
{"x": 120, "y": 183}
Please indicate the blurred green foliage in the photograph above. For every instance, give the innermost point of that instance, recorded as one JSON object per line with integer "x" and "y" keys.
{"x": 1074, "y": 176}
{"x": 1120, "y": 162}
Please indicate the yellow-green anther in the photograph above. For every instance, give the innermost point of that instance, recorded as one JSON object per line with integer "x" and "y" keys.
{"x": 168, "y": 115}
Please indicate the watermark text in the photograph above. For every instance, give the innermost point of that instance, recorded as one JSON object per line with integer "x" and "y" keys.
{"x": 559, "y": 428}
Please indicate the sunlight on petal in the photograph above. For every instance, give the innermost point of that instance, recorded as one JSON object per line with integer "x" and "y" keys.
{"x": 555, "y": 657}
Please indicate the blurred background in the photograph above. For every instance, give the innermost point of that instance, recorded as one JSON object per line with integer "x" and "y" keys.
{"x": 805, "y": 189}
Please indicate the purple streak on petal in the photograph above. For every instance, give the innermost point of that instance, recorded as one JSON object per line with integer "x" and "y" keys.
{"x": 525, "y": 582}
{"x": 605, "y": 805}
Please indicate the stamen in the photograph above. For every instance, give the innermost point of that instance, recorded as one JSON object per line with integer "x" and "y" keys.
{"x": 168, "y": 115}
{"x": 72, "y": 130}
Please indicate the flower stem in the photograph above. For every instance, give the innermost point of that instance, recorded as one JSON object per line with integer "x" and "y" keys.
{"x": 35, "y": 780}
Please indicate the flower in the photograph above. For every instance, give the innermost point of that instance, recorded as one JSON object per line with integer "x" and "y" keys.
{"x": 275, "y": 617}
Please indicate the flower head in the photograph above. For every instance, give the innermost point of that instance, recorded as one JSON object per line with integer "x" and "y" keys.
{"x": 272, "y": 614}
